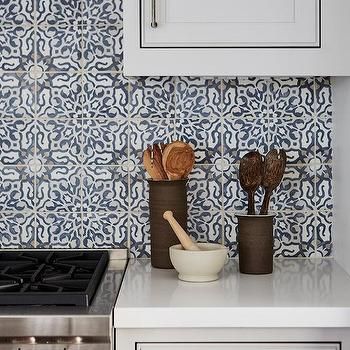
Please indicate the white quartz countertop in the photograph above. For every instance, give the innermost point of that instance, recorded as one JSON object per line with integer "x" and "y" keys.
{"x": 299, "y": 293}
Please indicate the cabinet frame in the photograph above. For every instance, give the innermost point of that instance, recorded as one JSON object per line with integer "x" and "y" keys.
{"x": 328, "y": 345}
{"x": 319, "y": 41}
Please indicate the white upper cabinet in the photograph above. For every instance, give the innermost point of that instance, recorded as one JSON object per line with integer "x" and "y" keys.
{"x": 237, "y": 37}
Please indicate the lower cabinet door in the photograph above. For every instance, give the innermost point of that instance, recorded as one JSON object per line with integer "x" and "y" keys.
{"x": 238, "y": 346}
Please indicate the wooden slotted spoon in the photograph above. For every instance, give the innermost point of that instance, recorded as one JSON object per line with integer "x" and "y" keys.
{"x": 178, "y": 160}
{"x": 250, "y": 176}
{"x": 274, "y": 167}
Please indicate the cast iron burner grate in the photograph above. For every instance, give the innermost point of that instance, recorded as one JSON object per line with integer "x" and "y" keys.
{"x": 50, "y": 277}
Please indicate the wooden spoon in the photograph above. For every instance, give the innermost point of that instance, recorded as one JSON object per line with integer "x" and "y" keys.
{"x": 152, "y": 160}
{"x": 250, "y": 176}
{"x": 158, "y": 149}
{"x": 274, "y": 167}
{"x": 181, "y": 234}
{"x": 178, "y": 160}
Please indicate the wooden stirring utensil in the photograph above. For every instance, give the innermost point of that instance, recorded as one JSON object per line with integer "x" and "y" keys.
{"x": 178, "y": 160}
{"x": 152, "y": 161}
{"x": 274, "y": 167}
{"x": 250, "y": 176}
{"x": 181, "y": 234}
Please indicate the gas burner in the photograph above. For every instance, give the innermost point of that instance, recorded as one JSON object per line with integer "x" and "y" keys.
{"x": 50, "y": 277}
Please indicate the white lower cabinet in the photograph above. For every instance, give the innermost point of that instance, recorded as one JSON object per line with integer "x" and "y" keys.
{"x": 238, "y": 346}
{"x": 233, "y": 339}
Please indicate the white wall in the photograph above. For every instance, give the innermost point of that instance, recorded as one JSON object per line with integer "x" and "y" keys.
{"x": 341, "y": 176}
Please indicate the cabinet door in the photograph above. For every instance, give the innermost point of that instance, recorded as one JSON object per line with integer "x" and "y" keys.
{"x": 238, "y": 346}
{"x": 230, "y": 23}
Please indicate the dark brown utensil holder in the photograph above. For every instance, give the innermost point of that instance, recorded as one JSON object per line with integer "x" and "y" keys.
{"x": 165, "y": 195}
{"x": 255, "y": 244}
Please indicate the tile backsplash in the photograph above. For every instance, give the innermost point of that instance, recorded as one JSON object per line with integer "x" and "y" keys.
{"x": 72, "y": 131}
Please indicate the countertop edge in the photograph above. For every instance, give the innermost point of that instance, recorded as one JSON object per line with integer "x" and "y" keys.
{"x": 245, "y": 317}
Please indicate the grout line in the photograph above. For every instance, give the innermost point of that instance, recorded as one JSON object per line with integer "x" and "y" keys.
{"x": 271, "y": 102}
{"x": 83, "y": 107}
{"x": 176, "y": 117}
{"x": 128, "y": 238}
{"x": 122, "y": 165}
{"x": 222, "y": 161}
{"x": 36, "y": 164}
{"x": 314, "y": 165}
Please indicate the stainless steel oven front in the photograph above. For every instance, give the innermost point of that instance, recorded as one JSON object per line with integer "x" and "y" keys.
{"x": 49, "y": 343}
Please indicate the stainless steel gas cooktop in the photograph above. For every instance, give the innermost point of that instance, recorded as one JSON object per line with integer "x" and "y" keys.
{"x": 58, "y": 299}
{"x": 50, "y": 277}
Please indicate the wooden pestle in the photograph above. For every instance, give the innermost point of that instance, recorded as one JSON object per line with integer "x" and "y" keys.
{"x": 183, "y": 237}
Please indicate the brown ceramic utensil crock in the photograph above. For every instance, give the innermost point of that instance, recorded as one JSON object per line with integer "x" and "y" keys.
{"x": 165, "y": 195}
{"x": 255, "y": 244}
{"x": 250, "y": 176}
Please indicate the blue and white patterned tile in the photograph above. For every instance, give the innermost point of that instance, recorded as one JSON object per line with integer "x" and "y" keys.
{"x": 17, "y": 230}
{"x": 296, "y": 136}
{"x": 17, "y": 12}
{"x": 59, "y": 189}
{"x": 324, "y": 188}
{"x": 206, "y": 226}
{"x": 59, "y": 12}
{"x": 139, "y": 231}
{"x": 139, "y": 189}
{"x": 59, "y": 141}
{"x": 198, "y": 97}
{"x": 108, "y": 230}
{"x": 324, "y": 101}
{"x": 294, "y": 234}
{"x": 230, "y": 234}
{"x": 241, "y": 136}
{"x": 59, "y": 230}
{"x": 16, "y": 96}
{"x": 246, "y": 97}
{"x": 60, "y": 96}
{"x": 105, "y": 189}
{"x": 204, "y": 189}
{"x": 16, "y": 47}
{"x": 103, "y": 48}
{"x": 144, "y": 132}
{"x": 99, "y": 12}
{"x": 296, "y": 191}
{"x": 105, "y": 141}
{"x": 324, "y": 241}
{"x": 234, "y": 198}
{"x": 324, "y": 137}
{"x": 292, "y": 97}
{"x": 105, "y": 95}
{"x": 152, "y": 97}
{"x": 16, "y": 188}
{"x": 59, "y": 49}
{"x": 17, "y": 140}
{"x": 204, "y": 135}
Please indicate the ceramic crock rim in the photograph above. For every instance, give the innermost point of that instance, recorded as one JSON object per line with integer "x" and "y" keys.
{"x": 261, "y": 216}
{"x": 166, "y": 180}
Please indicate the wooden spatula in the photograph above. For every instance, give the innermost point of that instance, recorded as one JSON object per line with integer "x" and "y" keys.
{"x": 152, "y": 160}
{"x": 250, "y": 176}
{"x": 274, "y": 167}
{"x": 178, "y": 160}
